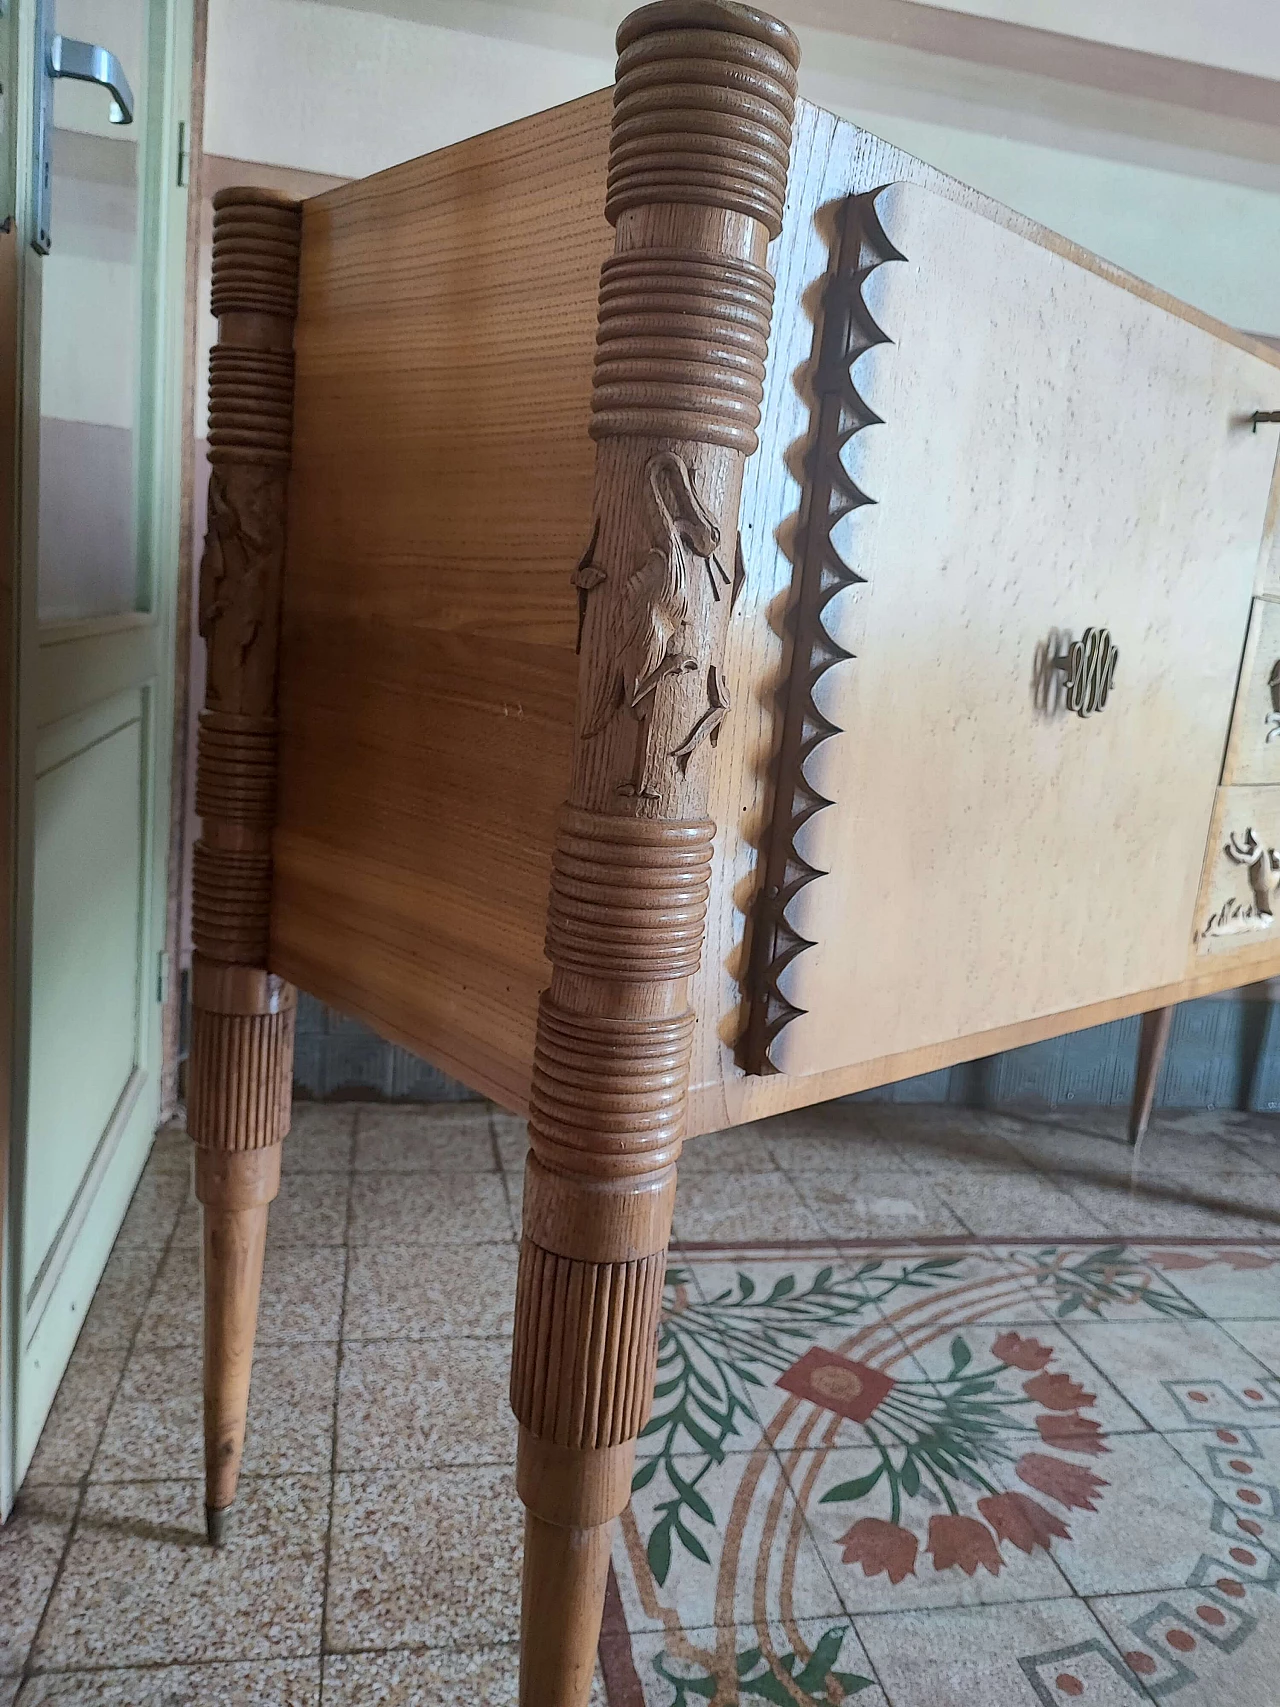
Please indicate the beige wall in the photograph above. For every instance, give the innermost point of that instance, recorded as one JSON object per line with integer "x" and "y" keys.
{"x": 1188, "y": 199}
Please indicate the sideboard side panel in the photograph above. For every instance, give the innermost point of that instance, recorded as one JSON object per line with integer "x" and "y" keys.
{"x": 441, "y": 495}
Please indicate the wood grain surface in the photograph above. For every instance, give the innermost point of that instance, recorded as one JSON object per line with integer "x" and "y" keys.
{"x": 441, "y": 496}
{"x": 441, "y": 499}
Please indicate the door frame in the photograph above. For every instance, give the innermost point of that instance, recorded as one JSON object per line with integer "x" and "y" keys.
{"x": 22, "y": 641}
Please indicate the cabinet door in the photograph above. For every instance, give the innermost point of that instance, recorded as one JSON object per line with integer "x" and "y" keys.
{"x": 1056, "y": 453}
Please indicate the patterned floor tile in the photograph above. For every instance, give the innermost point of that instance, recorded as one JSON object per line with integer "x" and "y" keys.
{"x": 1052, "y": 1652}
{"x": 1155, "y": 1523}
{"x": 119, "y": 1301}
{"x": 1013, "y": 1205}
{"x": 757, "y": 1206}
{"x": 446, "y": 1137}
{"x": 925, "y": 1555}
{"x": 406, "y": 1404}
{"x": 705, "y": 1542}
{"x": 831, "y": 1330}
{"x": 857, "y": 1204}
{"x": 31, "y": 1545}
{"x": 310, "y": 1210}
{"x": 425, "y": 1560}
{"x": 1260, "y": 1340}
{"x": 159, "y": 1200}
{"x": 1230, "y": 1283}
{"x": 320, "y": 1139}
{"x": 958, "y": 1137}
{"x": 156, "y": 1424}
{"x": 1202, "y": 1646}
{"x": 257, "y": 1683}
{"x": 430, "y": 1677}
{"x": 818, "y": 1656}
{"x": 831, "y": 1136}
{"x": 1168, "y": 1211}
{"x": 301, "y": 1297}
{"x": 1048, "y": 1389}
{"x": 429, "y": 1209}
{"x": 1242, "y": 1470}
{"x": 1185, "y": 1374}
{"x": 742, "y": 1150}
{"x": 414, "y": 1292}
{"x": 1103, "y": 1282}
{"x": 70, "y": 1437}
{"x": 142, "y": 1586}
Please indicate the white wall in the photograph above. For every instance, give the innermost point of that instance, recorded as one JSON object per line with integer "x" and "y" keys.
{"x": 348, "y": 91}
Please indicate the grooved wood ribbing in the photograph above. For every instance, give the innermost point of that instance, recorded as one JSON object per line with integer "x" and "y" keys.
{"x": 681, "y": 347}
{"x": 586, "y": 1346}
{"x": 628, "y": 896}
{"x": 609, "y": 1094}
{"x": 241, "y": 1078}
{"x": 241, "y": 1063}
{"x": 703, "y": 115}
{"x": 697, "y": 175}
{"x": 257, "y": 237}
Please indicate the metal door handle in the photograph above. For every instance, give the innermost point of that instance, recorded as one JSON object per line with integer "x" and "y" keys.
{"x": 1089, "y": 665}
{"x": 63, "y": 56}
{"x": 88, "y": 63}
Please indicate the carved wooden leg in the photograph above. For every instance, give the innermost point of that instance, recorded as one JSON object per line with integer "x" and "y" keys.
{"x": 698, "y": 165}
{"x": 241, "y": 1066}
{"x": 1152, "y": 1042}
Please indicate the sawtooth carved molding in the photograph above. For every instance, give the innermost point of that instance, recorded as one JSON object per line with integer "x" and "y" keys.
{"x": 848, "y": 332}
{"x": 240, "y": 1071}
{"x": 697, "y": 175}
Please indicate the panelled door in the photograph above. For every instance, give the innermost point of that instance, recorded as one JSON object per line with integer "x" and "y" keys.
{"x": 102, "y": 321}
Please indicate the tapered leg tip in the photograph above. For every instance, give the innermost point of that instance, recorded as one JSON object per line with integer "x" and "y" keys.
{"x": 215, "y": 1521}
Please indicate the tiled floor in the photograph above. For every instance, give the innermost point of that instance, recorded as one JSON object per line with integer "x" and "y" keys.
{"x": 953, "y": 1408}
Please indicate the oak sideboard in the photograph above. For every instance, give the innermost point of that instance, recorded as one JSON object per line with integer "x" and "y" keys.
{"x": 705, "y": 614}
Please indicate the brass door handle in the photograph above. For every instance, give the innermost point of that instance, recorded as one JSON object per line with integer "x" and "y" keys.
{"x": 1089, "y": 665}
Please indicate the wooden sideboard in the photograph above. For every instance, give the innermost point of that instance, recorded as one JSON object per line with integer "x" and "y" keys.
{"x": 705, "y": 614}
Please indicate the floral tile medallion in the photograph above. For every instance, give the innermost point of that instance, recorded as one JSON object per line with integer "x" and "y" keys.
{"x": 938, "y": 1430}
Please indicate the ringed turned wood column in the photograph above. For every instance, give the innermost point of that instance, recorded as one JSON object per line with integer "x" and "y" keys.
{"x": 241, "y": 1063}
{"x": 697, "y": 174}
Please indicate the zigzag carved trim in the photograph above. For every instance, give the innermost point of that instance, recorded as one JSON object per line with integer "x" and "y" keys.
{"x": 848, "y": 331}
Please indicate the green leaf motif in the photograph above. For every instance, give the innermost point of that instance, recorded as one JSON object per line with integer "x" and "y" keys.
{"x": 855, "y": 1490}
{"x": 816, "y": 1684}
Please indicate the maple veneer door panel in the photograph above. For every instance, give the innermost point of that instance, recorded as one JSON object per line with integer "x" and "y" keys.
{"x": 1056, "y": 453}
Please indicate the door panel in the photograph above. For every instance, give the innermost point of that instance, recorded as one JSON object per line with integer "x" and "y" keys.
{"x": 1056, "y": 453}
{"x": 92, "y": 385}
{"x": 89, "y": 840}
{"x": 104, "y": 318}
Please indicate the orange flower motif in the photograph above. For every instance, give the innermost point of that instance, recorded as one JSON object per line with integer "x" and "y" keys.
{"x": 1070, "y": 1484}
{"x": 1021, "y": 1353}
{"x": 880, "y": 1546}
{"x": 1177, "y": 1259}
{"x": 965, "y": 1542}
{"x": 1023, "y": 1521}
{"x": 1246, "y": 1259}
{"x": 1057, "y": 1392}
{"x": 1072, "y": 1432}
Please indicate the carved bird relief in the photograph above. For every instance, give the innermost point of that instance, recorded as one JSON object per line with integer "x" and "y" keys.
{"x": 646, "y": 638}
{"x": 241, "y": 553}
{"x": 1236, "y": 917}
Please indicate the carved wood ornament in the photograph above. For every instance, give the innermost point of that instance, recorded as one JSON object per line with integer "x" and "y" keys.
{"x": 697, "y": 174}
{"x": 848, "y": 331}
{"x": 241, "y": 1062}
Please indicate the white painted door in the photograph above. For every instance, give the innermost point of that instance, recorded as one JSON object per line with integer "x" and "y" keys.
{"x": 102, "y": 316}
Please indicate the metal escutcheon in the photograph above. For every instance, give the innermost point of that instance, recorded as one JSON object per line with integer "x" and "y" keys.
{"x": 1090, "y": 666}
